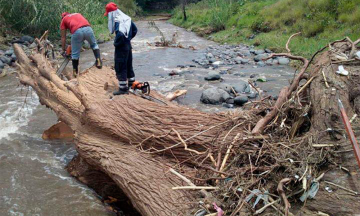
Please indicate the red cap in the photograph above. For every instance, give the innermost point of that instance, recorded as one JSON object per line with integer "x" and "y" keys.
{"x": 110, "y": 7}
{"x": 64, "y": 14}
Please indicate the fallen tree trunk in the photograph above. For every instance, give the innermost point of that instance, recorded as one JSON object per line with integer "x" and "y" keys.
{"x": 133, "y": 140}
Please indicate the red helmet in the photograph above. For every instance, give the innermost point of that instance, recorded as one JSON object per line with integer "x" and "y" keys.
{"x": 110, "y": 7}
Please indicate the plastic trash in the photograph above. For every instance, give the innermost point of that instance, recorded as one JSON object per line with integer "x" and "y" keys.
{"x": 259, "y": 196}
{"x": 342, "y": 71}
{"x": 358, "y": 54}
{"x": 201, "y": 212}
{"x": 220, "y": 212}
{"x": 328, "y": 189}
{"x": 311, "y": 193}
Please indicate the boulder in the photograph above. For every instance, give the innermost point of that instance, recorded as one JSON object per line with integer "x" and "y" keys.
{"x": 241, "y": 100}
{"x": 283, "y": 61}
{"x": 226, "y": 87}
{"x": 27, "y": 38}
{"x": 241, "y": 87}
{"x": 258, "y": 52}
{"x": 214, "y": 96}
{"x": 212, "y": 75}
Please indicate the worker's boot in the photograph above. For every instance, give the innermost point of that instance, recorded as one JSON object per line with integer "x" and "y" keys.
{"x": 75, "y": 63}
{"x": 123, "y": 88}
{"x": 98, "y": 62}
{"x": 131, "y": 82}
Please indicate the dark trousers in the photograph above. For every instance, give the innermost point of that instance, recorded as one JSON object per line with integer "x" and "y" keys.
{"x": 123, "y": 65}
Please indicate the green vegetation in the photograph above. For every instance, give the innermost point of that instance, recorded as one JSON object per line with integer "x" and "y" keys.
{"x": 33, "y": 17}
{"x": 269, "y": 23}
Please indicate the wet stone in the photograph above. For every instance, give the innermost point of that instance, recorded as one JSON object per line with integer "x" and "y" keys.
{"x": 5, "y": 60}
{"x": 260, "y": 57}
{"x": 254, "y": 75}
{"x": 244, "y": 61}
{"x": 181, "y": 66}
{"x": 214, "y": 96}
{"x": 212, "y": 75}
{"x": 223, "y": 72}
{"x": 156, "y": 74}
{"x": 241, "y": 87}
{"x": 239, "y": 74}
{"x": 252, "y": 95}
{"x": 209, "y": 56}
{"x": 13, "y": 57}
{"x": 241, "y": 100}
{"x": 226, "y": 87}
{"x": 227, "y": 105}
{"x": 261, "y": 64}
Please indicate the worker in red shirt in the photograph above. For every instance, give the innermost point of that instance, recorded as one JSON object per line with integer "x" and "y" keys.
{"x": 80, "y": 31}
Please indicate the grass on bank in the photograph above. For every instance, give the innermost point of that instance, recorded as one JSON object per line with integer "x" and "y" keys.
{"x": 33, "y": 17}
{"x": 269, "y": 23}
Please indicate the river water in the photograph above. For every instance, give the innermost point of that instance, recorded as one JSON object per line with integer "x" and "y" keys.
{"x": 33, "y": 180}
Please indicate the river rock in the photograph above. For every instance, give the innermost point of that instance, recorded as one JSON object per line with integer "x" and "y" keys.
{"x": 209, "y": 56}
{"x": 252, "y": 51}
{"x": 260, "y": 57}
{"x": 268, "y": 51}
{"x": 230, "y": 101}
{"x": 252, "y": 95}
{"x": 13, "y": 57}
{"x": 214, "y": 96}
{"x": 2, "y": 65}
{"x": 226, "y": 87}
{"x": 260, "y": 64}
{"x": 283, "y": 61}
{"x": 269, "y": 62}
{"x": 258, "y": 52}
{"x": 254, "y": 75}
{"x": 2, "y": 52}
{"x": 5, "y": 60}
{"x": 9, "y": 52}
{"x": 241, "y": 100}
{"x": 27, "y": 38}
{"x": 86, "y": 45}
{"x": 227, "y": 105}
{"x": 244, "y": 61}
{"x": 212, "y": 75}
{"x": 275, "y": 62}
{"x": 244, "y": 52}
{"x": 241, "y": 86}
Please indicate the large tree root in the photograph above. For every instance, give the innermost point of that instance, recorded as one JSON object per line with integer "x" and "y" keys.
{"x": 133, "y": 140}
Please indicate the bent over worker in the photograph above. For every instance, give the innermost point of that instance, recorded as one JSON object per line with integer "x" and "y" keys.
{"x": 125, "y": 30}
{"x": 80, "y": 31}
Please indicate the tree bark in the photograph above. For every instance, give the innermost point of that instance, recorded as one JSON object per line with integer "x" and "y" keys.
{"x": 132, "y": 140}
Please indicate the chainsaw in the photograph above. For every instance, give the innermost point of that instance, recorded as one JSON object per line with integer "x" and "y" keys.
{"x": 65, "y": 62}
{"x": 143, "y": 90}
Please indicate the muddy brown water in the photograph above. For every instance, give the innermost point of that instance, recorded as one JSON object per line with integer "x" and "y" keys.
{"x": 33, "y": 180}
